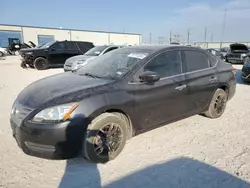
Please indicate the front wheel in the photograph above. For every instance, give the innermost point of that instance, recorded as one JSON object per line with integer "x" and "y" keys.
{"x": 40, "y": 63}
{"x": 218, "y": 104}
{"x": 105, "y": 138}
{"x": 1, "y": 54}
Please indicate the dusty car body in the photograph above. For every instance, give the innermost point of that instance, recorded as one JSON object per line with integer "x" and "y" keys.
{"x": 131, "y": 90}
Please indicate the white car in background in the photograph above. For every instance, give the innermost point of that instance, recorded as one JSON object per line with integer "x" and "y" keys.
{"x": 78, "y": 61}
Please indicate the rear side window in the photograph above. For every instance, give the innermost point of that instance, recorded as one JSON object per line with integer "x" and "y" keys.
{"x": 85, "y": 46}
{"x": 71, "y": 46}
{"x": 195, "y": 60}
{"x": 166, "y": 64}
{"x": 212, "y": 60}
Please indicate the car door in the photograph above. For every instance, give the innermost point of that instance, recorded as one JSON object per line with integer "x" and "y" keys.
{"x": 56, "y": 55}
{"x": 201, "y": 78}
{"x": 164, "y": 100}
{"x": 71, "y": 50}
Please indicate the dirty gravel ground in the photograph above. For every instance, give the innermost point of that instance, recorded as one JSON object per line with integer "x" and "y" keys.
{"x": 195, "y": 152}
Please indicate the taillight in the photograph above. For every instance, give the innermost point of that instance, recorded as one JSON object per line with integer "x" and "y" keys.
{"x": 234, "y": 70}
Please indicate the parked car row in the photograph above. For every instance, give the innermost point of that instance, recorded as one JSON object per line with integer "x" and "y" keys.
{"x": 94, "y": 110}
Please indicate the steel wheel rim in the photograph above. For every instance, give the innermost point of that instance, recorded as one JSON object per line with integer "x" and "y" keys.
{"x": 220, "y": 104}
{"x": 108, "y": 140}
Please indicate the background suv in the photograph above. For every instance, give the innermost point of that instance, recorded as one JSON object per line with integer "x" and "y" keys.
{"x": 237, "y": 53}
{"x": 53, "y": 54}
{"x": 76, "y": 62}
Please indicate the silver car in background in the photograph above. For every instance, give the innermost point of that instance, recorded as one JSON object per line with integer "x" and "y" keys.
{"x": 78, "y": 61}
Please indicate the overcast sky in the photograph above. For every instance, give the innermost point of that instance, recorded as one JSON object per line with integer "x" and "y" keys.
{"x": 141, "y": 16}
{"x": 199, "y": 16}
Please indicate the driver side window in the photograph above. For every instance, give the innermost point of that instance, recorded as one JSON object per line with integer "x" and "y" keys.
{"x": 166, "y": 64}
{"x": 59, "y": 46}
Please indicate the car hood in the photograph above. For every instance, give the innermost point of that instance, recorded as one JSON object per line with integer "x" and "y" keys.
{"x": 61, "y": 89}
{"x": 73, "y": 59}
{"x": 24, "y": 50}
{"x": 240, "y": 48}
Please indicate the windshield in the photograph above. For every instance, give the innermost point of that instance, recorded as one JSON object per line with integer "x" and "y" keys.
{"x": 46, "y": 45}
{"x": 114, "y": 64}
{"x": 95, "y": 51}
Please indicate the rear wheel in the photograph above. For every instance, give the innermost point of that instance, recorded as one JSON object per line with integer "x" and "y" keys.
{"x": 41, "y": 63}
{"x": 217, "y": 105}
{"x": 105, "y": 138}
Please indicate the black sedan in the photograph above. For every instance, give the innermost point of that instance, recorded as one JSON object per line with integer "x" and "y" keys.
{"x": 93, "y": 111}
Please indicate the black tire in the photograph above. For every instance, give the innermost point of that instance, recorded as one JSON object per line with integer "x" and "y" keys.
{"x": 93, "y": 134}
{"x": 1, "y": 54}
{"x": 128, "y": 128}
{"x": 41, "y": 63}
{"x": 217, "y": 105}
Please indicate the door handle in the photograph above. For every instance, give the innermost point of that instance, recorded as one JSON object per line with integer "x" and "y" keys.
{"x": 213, "y": 79}
{"x": 181, "y": 87}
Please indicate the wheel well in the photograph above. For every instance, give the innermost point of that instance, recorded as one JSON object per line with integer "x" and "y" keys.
{"x": 225, "y": 88}
{"x": 39, "y": 57}
{"x": 131, "y": 131}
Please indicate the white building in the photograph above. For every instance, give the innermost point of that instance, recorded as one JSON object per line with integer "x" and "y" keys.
{"x": 40, "y": 35}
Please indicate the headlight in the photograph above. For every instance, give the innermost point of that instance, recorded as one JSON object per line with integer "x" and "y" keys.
{"x": 56, "y": 113}
{"x": 78, "y": 64}
{"x": 80, "y": 61}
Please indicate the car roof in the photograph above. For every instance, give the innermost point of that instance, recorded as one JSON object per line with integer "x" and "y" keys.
{"x": 159, "y": 47}
{"x": 108, "y": 46}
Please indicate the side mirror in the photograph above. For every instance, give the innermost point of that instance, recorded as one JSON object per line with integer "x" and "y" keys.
{"x": 52, "y": 49}
{"x": 149, "y": 76}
